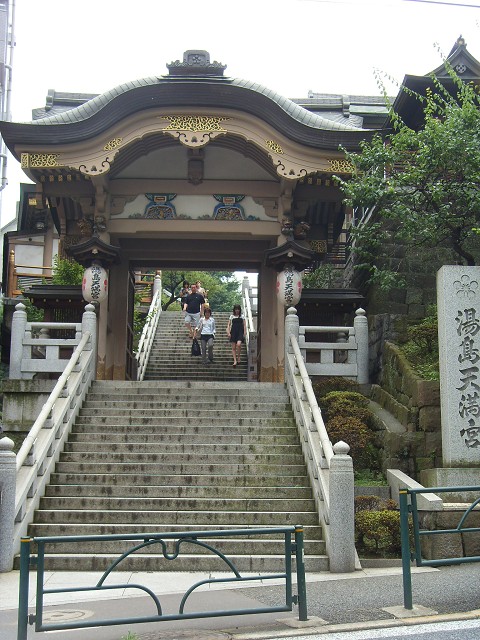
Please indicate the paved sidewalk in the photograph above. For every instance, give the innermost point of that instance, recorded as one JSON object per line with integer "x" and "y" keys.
{"x": 335, "y": 602}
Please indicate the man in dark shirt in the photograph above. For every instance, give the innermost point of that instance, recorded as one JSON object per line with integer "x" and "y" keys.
{"x": 193, "y": 306}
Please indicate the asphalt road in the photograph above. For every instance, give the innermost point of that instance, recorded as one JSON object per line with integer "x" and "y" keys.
{"x": 351, "y": 602}
{"x": 451, "y": 589}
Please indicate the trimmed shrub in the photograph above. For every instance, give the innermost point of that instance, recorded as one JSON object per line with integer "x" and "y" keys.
{"x": 378, "y": 530}
{"x": 322, "y": 386}
{"x": 367, "y": 503}
{"x": 355, "y": 433}
{"x": 374, "y": 503}
{"x": 347, "y": 404}
{"x": 351, "y": 396}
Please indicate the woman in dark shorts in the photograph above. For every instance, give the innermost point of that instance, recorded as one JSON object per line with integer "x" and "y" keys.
{"x": 236, "y": 330}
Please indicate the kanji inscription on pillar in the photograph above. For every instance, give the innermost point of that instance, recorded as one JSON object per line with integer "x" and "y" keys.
{"x": 458, "y": 295}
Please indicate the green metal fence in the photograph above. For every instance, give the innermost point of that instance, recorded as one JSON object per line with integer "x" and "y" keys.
{"x": 293, "y": 545}
{"x": 412, "y": 544}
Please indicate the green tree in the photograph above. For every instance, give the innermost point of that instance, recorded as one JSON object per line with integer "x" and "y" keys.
{"x": 421, "y": 187}
{"x": 222, "y": 286}
{"x": 171, "y": 287}
{"x": 66, "y": 271}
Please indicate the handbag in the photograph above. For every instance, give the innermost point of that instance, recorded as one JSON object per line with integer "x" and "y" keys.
{"x": 196, "y": 351}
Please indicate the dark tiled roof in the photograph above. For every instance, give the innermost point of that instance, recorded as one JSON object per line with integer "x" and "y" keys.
{"x": 64, "y": 113}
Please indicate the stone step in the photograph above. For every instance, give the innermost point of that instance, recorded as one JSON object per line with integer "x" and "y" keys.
{"x": 203, "y": 519}
{"x": 228, "y": 547}
{"x": 166, "y": 376}
{"x": 184, "y": 458}
{"x": 183, "y": 448}
{"x": 193, "y": 404}
{"x": 164, "y": 396}
{"x": 220, "y": 427}
{"x": 175, "y": 394}
{"x": 175, "y": 438}
{"x": 189, "y": 421}
{"x": 192, "y": 448}
{"x": 205, "y": 370}
{"x": 311, "y": 532}
{"x": 181, "y": 350}
{"x": 128, "y": 478}
{"x": 199, "y": 414}
{"x": 248, "y": 505}
{"x": 201, "y": 563}
{"x": 180, "y": 491}
{"x": 184, "y": 468}
{"x": 146, "y": 386}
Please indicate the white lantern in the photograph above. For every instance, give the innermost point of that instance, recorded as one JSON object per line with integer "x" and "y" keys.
{"x": 289, "y": 286}
{"x": 95, "y": 283}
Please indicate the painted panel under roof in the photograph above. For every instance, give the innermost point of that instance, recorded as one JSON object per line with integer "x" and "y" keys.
{"x": 171, "y": 163}
{"x": 193, "y": 207}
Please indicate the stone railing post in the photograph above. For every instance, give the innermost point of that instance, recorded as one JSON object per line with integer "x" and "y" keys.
{"x": 8, "y": 477}
{"x": 361, "y": 336}
{"x": 89, "y": 323}
{"x": 19, "y": 324}
{"x": 157, "y": 284}
{"x": 245, "y": 285}
{"x": 342, "y": 517}
{"x": 292, "y": 324}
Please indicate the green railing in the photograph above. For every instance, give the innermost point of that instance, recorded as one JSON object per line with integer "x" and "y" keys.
{"x": 293, "y": 545}
{"x": 412, "y": 544}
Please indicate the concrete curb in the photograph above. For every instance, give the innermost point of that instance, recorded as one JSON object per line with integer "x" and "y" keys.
{"x": 278, "y": 632}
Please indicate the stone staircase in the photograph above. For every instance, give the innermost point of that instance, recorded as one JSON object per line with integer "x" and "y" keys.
{"x": 164, "y": 456}
{"x": 171, "y": 359}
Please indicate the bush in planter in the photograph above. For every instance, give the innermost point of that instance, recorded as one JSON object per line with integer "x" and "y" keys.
{"x": 378, "y": 531}
{"x": 348, "y": 418}
{"x": 355, "y": 433}
{"x": 346, "y": 403}
{"x": 325, "y": 385}
{"x": 377, "y": 525}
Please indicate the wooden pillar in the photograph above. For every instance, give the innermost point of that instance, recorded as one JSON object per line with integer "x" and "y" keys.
{"x": 116, "y": 336}
{"x": 12, "y": 276}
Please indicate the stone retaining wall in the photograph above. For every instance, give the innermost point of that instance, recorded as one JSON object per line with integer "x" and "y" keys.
{"x": 415, "y": 404}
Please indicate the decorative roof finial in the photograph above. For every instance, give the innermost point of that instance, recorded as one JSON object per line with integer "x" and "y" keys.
{"x": 196, "y": 62}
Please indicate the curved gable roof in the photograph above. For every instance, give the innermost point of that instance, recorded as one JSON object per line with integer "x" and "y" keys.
{"x": 101, "y": 112}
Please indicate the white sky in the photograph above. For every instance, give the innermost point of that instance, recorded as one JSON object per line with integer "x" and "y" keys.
{"x": 291, "y": 46}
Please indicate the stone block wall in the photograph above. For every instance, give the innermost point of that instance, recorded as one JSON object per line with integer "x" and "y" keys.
{"x": 417, "y": 268}
{"x": 449, "y": 545}
{"x": 415, "y": 443}
{"x": 23, "y": 401}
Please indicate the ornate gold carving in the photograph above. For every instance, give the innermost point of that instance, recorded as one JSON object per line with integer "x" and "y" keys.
{"x": 195, "y": 123}
{"x": 39, "y": 160}
{"x": 339, "y": 165}
{"x": 274, "y": 146}
{"x": 113, "y": 144}
{"x": 319, "y": 246}
{"x": 195, "y": 131}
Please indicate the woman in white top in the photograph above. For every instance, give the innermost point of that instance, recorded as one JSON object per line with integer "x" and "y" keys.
{"x": 206, "y": 329}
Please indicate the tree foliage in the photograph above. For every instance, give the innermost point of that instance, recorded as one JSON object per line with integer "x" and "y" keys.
{"x": 222, "y": 286}
{"x": 66, "y": 271}
{"x": 422, "y": 187}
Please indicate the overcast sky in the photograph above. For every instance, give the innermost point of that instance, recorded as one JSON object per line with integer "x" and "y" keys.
{"x": 291, "y": 46}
